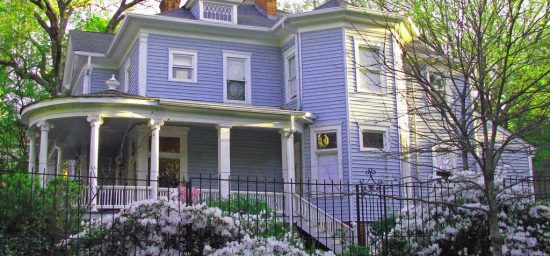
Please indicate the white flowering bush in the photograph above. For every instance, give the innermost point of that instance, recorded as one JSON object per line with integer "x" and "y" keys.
{"x": 168, "y": 227}
{"x": 158, "y": 227}
{"x": 424, "y": 228}
{"x": 289, "y": 245}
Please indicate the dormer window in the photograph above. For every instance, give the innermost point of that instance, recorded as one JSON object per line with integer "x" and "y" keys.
{"x": 219, "y": 12}
{"x": 216, "y": 11}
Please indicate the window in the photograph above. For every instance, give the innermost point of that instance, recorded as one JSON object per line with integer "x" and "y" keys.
{"x": 444, "y": 158}
{"x": 182, "y": 66}
{"x": 218, "y": 12}
{"x": 439, "y": 83}
{"x": 291, "y": 78}
{"x": 374, "y": 138}
{"x": 327, "y": 140}
{"x": 369, "y": 68}
{"x": 127, "y": 76}
{"x": 236, "y": 77}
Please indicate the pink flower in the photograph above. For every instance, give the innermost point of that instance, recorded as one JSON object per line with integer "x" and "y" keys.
{"x": 195, "y": 194}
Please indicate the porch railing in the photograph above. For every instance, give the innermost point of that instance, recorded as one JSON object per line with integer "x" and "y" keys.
{"x": 118, "y": 196}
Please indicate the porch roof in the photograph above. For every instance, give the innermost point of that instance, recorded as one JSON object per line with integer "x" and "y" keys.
{"x": 128, "y": 106}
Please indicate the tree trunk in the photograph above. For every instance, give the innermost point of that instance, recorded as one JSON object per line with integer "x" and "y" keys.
{"x": 496, "y": 238}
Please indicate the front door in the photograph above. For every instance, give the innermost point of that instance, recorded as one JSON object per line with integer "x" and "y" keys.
{"x": 327, "y": 166}
{"x": 170, "y": 171}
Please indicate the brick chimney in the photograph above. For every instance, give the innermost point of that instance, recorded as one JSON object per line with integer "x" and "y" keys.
{"x": 269, "y": 6}
{"x": 168, "y": 5}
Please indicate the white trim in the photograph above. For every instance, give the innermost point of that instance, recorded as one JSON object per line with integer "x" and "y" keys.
{"x": 192, "y": 53}
{"x": 369, "y": 44}
{"x": 142, "y": 73}
{"x": 348, "y": 105}
{"x": 298, "y": 42}
{"x": 291, "y": 52}
{"x": 372, "y": 128}
{"x": 314, "y": 129}
{"x": 234, "y": 14}
{"x": 248, "y": 84}
{"x": 126, "y": 74}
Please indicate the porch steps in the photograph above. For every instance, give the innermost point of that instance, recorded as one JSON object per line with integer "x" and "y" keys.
{"x": 325, "y": 228}
{"x": 332, "y": 243}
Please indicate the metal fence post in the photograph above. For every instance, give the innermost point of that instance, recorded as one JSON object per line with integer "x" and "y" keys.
{"x": 360, "y": 235}
{"x": 385, "y": 221}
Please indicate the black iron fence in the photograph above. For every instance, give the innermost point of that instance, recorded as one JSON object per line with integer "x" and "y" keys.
{"x": 42, "y": 214}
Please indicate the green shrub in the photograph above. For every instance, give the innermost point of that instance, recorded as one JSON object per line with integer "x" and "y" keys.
{"x": 33, "y": 219}
{"x": 240, "y": 204}
{"x": 356, "y": 250}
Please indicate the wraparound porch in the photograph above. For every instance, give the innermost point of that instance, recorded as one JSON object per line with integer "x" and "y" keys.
{"x": 113, "y": 140}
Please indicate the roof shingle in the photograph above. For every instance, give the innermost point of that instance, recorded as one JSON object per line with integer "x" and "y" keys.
{"x": 90, "y": 41}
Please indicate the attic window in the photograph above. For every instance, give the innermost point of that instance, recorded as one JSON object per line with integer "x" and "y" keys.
{"x": 218, "y": 12}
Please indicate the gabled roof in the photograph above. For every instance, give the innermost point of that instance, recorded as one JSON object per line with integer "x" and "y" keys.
{"x": 247, "y": 14}
{"x": 90, "y": 41}
{"x": 334, "y": 3}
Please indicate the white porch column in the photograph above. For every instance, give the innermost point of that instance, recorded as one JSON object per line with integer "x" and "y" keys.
{"x": 95, "y": 122}
{"x": 59, "y": 163}
{"x": 224, "y": 158}
{"x": 287, "y": 148}
{"x": 155, "y": 148}
{"x": 32, "y": 150}
{"x": 43, "y": 154}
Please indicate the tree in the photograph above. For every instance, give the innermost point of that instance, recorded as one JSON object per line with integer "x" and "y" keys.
{"x": 34, "y": 37}
{"x": 473, "y": 68}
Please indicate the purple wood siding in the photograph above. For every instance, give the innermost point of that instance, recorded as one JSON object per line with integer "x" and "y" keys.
{"x": 99, "y": 76}
{"x": 323, "y": 86}
{"x": 203, "y": 151}
{"x": 254, "y": 153}
{"x": 371, "y": 110}
{"x": 266, "y": 70}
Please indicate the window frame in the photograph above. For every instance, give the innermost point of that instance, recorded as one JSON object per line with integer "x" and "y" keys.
{"x": 127, "y": 74}
{"x": 194, "y": 65}
{"x": 314, "y": 130}
{"x": 248, "y": 82}
{"x": 375, "y": 129}
{"x": 286, "y": 57}
{"x": 446, "y": 86}
{"x": 368, "y": 44}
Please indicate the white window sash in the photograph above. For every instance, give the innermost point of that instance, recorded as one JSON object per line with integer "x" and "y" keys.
{"x": 228, "y": 54}
{"x": 291, "y": 79}
{"x": 172, "y": 64}
{"x": 360, "y": 69}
